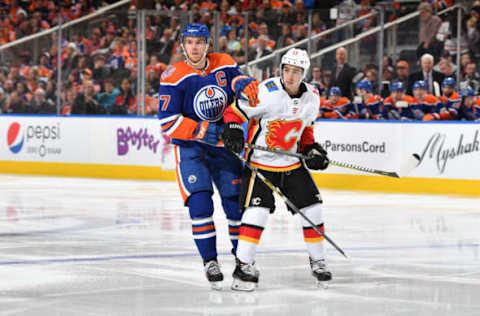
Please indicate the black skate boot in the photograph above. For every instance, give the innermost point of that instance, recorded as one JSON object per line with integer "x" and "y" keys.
{"x": 213, "y": 273}
{"x": 245, "y": 277}
{"x": 320, "y": 272}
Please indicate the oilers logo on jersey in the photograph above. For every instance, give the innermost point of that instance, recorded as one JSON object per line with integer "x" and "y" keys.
{"x": 209, "y": 103}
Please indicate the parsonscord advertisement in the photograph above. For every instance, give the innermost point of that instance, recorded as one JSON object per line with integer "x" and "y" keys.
{"x": 450, "y": 151}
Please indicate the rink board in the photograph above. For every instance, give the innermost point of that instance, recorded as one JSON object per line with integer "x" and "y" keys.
{"x": 134, "y": 148}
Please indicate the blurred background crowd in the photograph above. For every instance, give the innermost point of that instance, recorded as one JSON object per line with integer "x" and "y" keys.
{"x": 91, "y": 67}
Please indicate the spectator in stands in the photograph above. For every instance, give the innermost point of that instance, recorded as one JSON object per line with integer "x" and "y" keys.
{"x": 100, "y": 71}
{"x": 233, "y": 43}
{"x": 107, "y": 98}
{"x": 15, "y": 103}
{"x": 317, "y": 79}
{"x": 372, "y": 76}
{"x": 96, "y": 41}
{"x": 68, "y": 99}
{"x": 464, "y": 60}
{"x": 167, "y": 41}
{"x": 286, "y": 15}
{"x": 448, "y": 34}
{"x": 85, "y": 101}
{"x": 473, "y": 34}
{"x": 23, "y": 92}
{"x": 445, "y": 56}
{"x": 239, "y": 55}
{"x": 39, "y": 104}
{"x": 80, "y": 42}
{"x": 286, "y": 37}
{"x": 387, "y": 80}
{"x": 51, "y": 90}
{"x": 343, "y": 73}
{"x": 446, "y": 68}
{"x": 8, "y": 86}
{"x": 429, "y": 26}
{"x": 431, "y": 77}
{"x": 3, "y": 100}
{"x": 14, "y": 74}
{"x": 125, "y": 102}
{"x": 471, "y": 78}
{"x": 70, "y": 58}
{"x": 264, "y": 50}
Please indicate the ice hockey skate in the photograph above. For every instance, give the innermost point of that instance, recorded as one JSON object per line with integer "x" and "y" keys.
{"x": 320, "y": 272}
{"x": 245, "y": 277}
{"x": 214, "y": 275}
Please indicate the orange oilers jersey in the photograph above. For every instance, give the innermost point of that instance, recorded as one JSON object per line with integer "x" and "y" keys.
{"x": 187, "y": 95}
{"x": 400, "y": 113}
{"x": 451, "y": 103}
{"x": 344, "y": 107}
{"x": 430, "y": 104}
{"x": 278, "y": 122}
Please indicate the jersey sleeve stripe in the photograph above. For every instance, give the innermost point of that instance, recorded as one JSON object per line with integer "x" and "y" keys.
{"x": 182, "y": 129}
{"x": 169, "y": 118}
{"x": 183, "y": 190}
{"x": 238, "y": 111}
{"x": 176, "y": 83}
{"x": 167, "y": 125}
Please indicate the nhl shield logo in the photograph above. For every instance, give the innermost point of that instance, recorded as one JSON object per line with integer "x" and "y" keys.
{"x": 209, "y": 103}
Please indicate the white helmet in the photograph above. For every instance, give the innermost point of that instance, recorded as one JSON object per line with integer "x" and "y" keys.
{"x": 296, "y": 57}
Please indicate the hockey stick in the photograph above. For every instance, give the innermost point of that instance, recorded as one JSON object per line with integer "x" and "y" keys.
{"x": 332, "y": 162}
{"x": 288, "y": 202}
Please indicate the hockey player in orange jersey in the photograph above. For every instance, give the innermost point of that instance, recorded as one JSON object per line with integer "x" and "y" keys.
{"x": 426, "y": 104}
{"x": 399, "y": 106}
{"x": 367, "y": 105}
{"x": 192, "y": 97}
{"x": 450, "y": 102}
{"x": 336, "y": 106}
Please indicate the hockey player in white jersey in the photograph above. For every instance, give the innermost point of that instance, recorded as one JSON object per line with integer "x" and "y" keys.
{"x": 282, "y": 120}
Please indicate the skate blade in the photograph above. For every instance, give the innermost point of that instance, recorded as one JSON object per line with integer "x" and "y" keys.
{"x": 322, "y": 284}
{"x": 217, "y": 286}
{"x": 239, "y": 285}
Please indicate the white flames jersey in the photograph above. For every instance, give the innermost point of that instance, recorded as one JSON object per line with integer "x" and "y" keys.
{"x": 278, "y": 122}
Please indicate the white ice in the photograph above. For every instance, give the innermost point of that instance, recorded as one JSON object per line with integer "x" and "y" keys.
{"x": 104, "y": 247}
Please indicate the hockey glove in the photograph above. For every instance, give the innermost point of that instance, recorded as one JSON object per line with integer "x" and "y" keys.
{"x": 208, "y": 133}
{"x": 318, "y": 159}
{"x": 246, "y": 88}
{"x": 233, "y": 137}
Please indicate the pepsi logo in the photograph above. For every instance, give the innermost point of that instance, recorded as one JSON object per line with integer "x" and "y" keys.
{"x": 209, "y": 103}
{"x": 15, "y": 138}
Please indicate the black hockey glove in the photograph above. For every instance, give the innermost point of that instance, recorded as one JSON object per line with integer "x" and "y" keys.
{"x": 318, "y": 159}
{"x": 233, "y": 137}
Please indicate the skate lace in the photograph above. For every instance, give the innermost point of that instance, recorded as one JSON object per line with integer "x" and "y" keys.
{"x": 248, "y": 268}
{"x": 318, "y": 265}
{"x": 213, "y": 268}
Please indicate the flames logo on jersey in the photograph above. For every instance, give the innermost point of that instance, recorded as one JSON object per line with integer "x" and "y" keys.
{"x": 209, "y": 103}
{"x": 281, "y": 134}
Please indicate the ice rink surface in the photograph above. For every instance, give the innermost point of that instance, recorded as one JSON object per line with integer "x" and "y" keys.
{"x": 106, "y": 247}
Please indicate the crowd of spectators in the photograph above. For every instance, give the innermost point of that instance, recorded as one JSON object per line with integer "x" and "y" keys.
{"x": 99, "y": 67}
